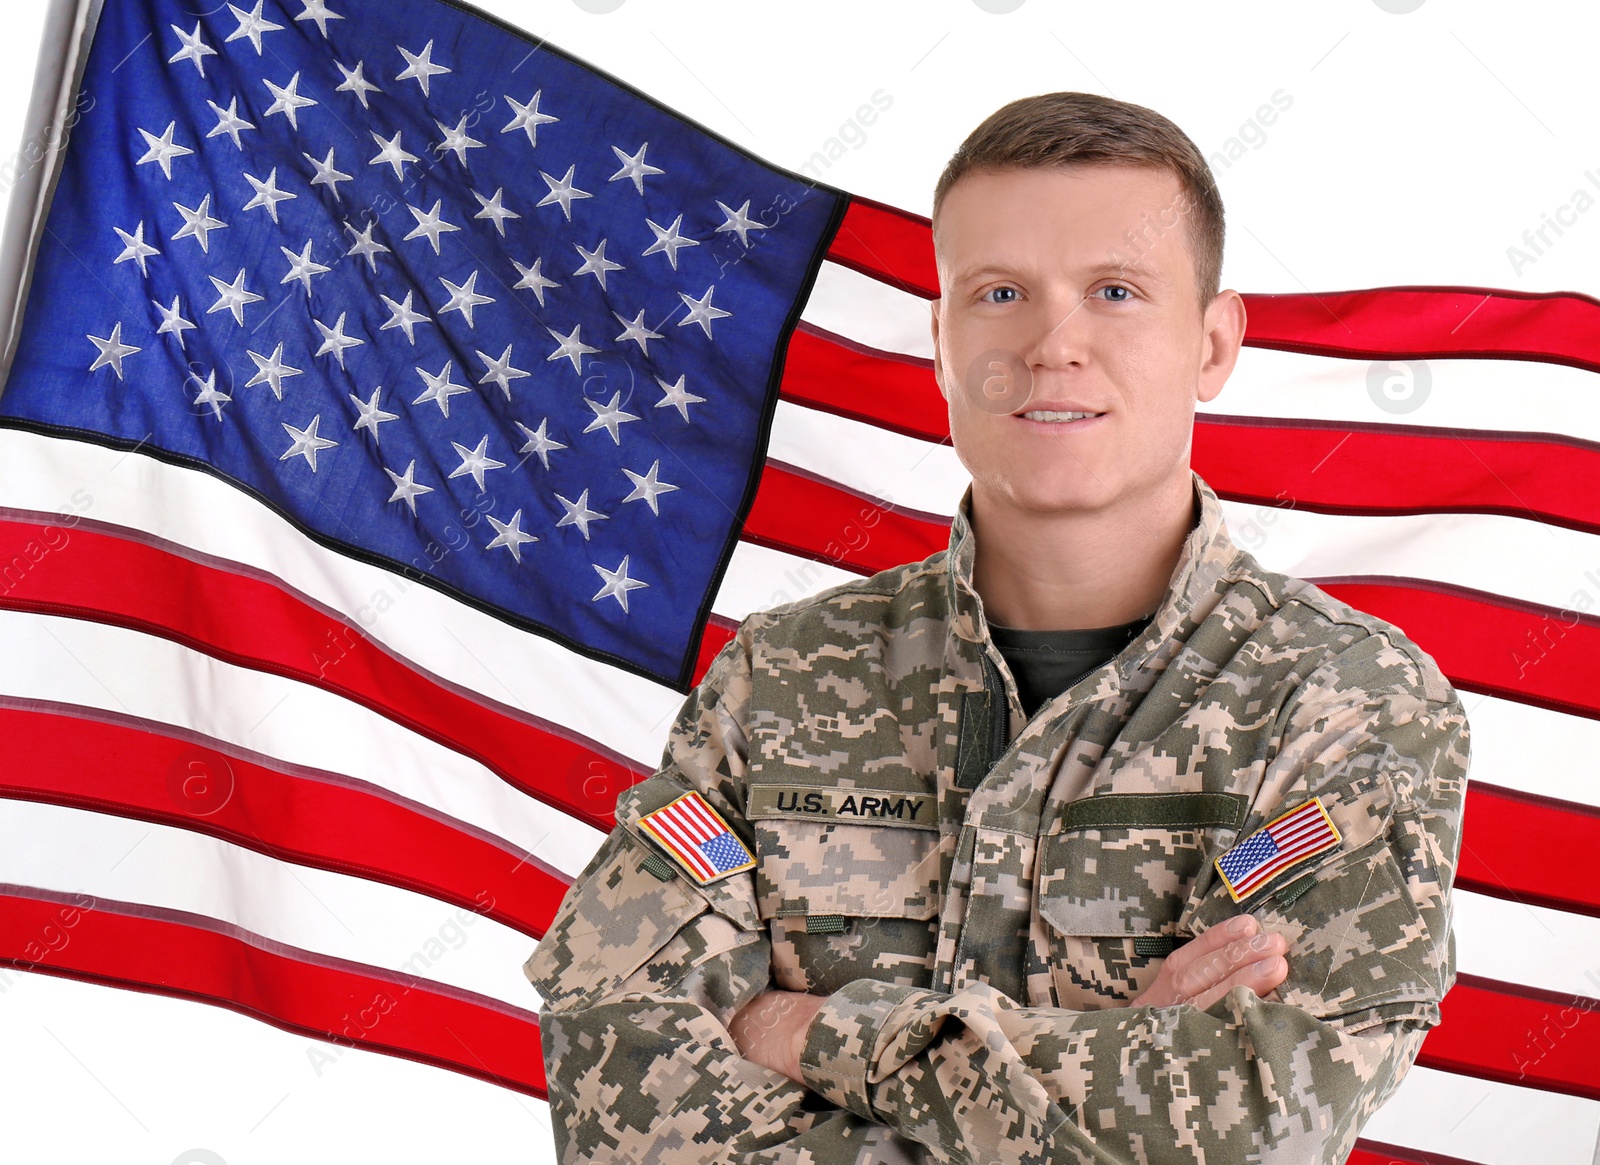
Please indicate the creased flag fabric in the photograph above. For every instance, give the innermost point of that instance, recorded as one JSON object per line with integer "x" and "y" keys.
{"x": 336, "y": 611}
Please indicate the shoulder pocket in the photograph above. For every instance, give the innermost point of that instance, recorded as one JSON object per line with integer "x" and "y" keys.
{"x": 618, "y": 914}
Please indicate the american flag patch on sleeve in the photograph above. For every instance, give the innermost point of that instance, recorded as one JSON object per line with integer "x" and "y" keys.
{"x": 698, "y": 838}
{"x": 1303, "y": 832}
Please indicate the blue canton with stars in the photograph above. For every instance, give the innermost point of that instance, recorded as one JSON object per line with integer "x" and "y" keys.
{"x": 449, "y": 300}
{"x": 724, "y": 852}
{"x": 1248, "y": 856}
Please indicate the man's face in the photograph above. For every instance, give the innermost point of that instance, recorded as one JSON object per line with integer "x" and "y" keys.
{"x": 1082, "y": 282}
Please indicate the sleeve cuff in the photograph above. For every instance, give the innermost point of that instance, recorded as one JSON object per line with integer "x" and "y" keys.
{"x": 844, "y": 1037}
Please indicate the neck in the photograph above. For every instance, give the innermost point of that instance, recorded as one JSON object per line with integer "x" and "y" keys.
{"x": 1066, "y": 571}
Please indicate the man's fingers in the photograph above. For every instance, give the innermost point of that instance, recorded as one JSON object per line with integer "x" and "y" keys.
{"x": 1203, "y": 970}
{"x": 1261, "y": 977}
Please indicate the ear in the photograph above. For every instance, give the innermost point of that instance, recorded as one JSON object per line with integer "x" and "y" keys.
{"x": 1223, "y": 325}
{"x": 938, "y": 362}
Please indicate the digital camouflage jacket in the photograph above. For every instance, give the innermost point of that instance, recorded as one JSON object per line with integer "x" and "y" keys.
{"x": 979, "y": 897}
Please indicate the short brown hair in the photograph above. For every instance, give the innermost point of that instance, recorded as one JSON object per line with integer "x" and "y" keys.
{"x": 1054, "y": 130}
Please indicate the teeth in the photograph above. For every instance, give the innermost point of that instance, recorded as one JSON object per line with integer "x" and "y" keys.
{"x": 1053, "y": 415}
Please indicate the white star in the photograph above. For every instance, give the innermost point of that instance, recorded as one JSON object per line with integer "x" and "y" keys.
{"x": 475, "y": 461}
{"x": 457, "y": 139}
{"x": 464, "y": 298}
{"x": 646, "y": 487}
{"x": 509, "y": 534}
{"x": 532, "y": 280}
{"x": 578, "y": 514}
{"x": 562, "y": 191}
{"x": 252, "y": 25}
{"x": 500, "y": 371}
{"x": 327, "y": 175}
{"x": 528, "y": 118}
{"x": 635, "y": 167}
{"x": 440, "y": 389}
{"x": 355, "y": 82}
{"x": 677, "y": 397}
{"x": 669, "y": 240}
{"x": 135, "y": 247}
{"x": 198, "y": 223}
{"x": 209, "y": 395}
{"x": 112, "y": 350}
{"x": 420, "y": 66}
{"x": 595, "y": 262}
{"x": 318, "y": 10}
{"x": 233, "y": 296}
{"x": 267, "y": 193}
{"x": 334, "y": 340}
{"x": 194, "y": 48}
{"x": 430, "y": 225}
{"x": 405, "y": 489}
{"x": 538, "y": 441}
{"x": 289, "y": 102}
{"x": 365, "y": 246}
{"x": 271, "y": 370}
{"x": 392, "y": 154}
{"x": 372, "y": 416}
{"x": 172, "y": 320}
{"x": 617, "y": 583}
{"x": 493, "y": 209}
{"x": 403, "y": 316}
{"x": 739, "y": 222}
{"x": 302, "y": 266}
{"x": 701, "y": 312}
{"x": 635, "y": 330}
{"x": 571, "y": 348}
{"x": 608, "y": 417}
{"x": 162, "y": 149}
{"x": 228, "y": 121}
{"x": 306, "y": 442}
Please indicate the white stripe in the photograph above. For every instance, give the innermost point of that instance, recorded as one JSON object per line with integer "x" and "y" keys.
{"x": 1532, "y": 945}
{"x": 1520, "y": 396}
{"x": 132, "y": 674}
{"x": 758, "y": 579}
{"x": 1532, "y": 750}
{"x": 900, "y": 470}
{"x": 1486, "y": 1122}
{"x": 847, "y": 303}
{"x": 76, "y": 851}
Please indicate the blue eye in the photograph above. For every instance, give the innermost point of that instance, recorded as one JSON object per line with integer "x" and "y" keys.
{"x": 1012, "y": 290}
{"x": 1117, "y": 287}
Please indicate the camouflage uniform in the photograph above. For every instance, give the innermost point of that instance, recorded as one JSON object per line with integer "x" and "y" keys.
{"x": 980, "y": 928}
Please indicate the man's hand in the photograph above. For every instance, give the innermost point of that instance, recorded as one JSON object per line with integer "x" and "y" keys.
{"x": 1205, "y": 969}
{"x": 771, "y": 1029}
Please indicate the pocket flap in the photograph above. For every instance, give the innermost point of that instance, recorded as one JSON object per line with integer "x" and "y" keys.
{"x": 833, "y": 867}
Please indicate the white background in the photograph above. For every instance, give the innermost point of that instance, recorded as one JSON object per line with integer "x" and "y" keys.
{"x": 1417, "y": 149}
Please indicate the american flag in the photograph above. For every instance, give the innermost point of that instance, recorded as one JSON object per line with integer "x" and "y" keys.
{"x": 363, "y": 525}
{"x": 691, "y": 830}
{"x": 1292, "y": 837}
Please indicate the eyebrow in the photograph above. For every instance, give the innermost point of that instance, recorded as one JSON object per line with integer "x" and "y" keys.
{"x": 1104, "y": 268}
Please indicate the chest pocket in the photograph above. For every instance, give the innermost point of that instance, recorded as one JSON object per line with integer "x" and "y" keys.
{"x": 1116, "y": 873}
{"x": 848, "y": 890}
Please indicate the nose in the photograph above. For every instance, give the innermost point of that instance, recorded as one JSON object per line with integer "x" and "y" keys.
{"x": 1059, "y": 335}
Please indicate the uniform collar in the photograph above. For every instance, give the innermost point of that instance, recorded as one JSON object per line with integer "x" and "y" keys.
{"x": 1194, "y": 588}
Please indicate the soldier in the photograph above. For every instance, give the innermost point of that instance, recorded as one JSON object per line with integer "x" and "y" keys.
{"x": 1086, "y": 839}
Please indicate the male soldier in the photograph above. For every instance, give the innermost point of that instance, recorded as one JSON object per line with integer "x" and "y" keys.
{"x": 1087, "y": 839}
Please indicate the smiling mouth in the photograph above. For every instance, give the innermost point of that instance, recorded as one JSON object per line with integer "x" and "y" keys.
{"x": 1056, "y": 415}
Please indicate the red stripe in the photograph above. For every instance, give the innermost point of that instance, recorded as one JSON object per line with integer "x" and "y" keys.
{"x": 1490, "y": 644}
{"x": 1405, "y": 323}
{"x": 168, "y": 952}
{"x": 140, "y": 769}
{"x": 681, "y": 840}
{"x": 1517, "y": 1035}
{"x": 113, "y": 575}
{"x": 803, "y": 514}
{"x": 1532, "y": 849}
{"x": 887, "y": 243}
{"x": 1378, "y": 1153}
